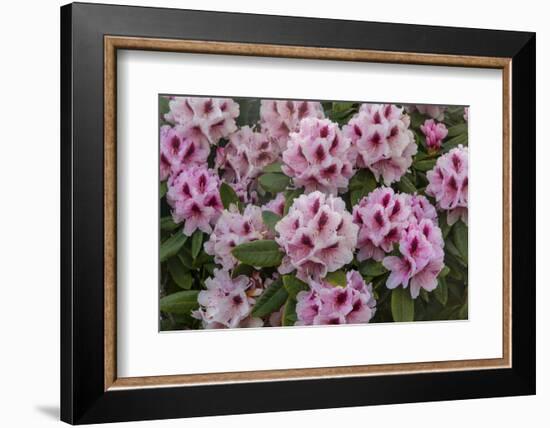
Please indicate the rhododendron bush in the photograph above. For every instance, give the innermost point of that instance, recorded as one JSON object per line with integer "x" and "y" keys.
{"x": 294, "y": 212}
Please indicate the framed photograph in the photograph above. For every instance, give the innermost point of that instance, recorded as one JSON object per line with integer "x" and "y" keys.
{"x": 273, "y": 213}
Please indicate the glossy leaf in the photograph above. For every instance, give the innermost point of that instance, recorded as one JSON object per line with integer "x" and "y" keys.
{"x": 196, "y": 243}
{"x": 402, "y": 305}
{"x": 262, "y": 253}
{"x": 337, "y": 278}
{"x": 274, "y": 183}
{"x": 228, "y": 196}
{"x": 270, "y": 219}
{"x": 294, "y": 285}
{"x": 172, "y": 245}
{"x": 372, "y": 268}
{"x": 182, "y": 302}
{"x": 271, "y": 299}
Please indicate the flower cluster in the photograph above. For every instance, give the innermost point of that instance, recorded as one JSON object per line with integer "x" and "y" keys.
{"x": 232, "y": 229}
{"x": 279, "y": 118}
{"x": 435, "y": 133}
{"x": 309, "y": 213}
{"x": 204, "y": 119}
{"x": 227, "y": 302}
{"x": 318, "y": 236}
{"x": 194, "y": 197}
{"x": 382, "y": 140}
{"x": 327, "y": 304}
{"x": 420, "y": 260}
{"x": 448, "y": 184}
{"x": 318, "y": 157}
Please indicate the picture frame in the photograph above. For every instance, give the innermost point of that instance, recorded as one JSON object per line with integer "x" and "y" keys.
{"x": 91, "y": 36}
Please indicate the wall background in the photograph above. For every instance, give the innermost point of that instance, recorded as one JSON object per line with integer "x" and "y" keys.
{"x": 29, "y": 213}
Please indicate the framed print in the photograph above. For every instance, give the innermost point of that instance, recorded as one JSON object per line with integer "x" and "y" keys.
{"x": 292, "y": 213}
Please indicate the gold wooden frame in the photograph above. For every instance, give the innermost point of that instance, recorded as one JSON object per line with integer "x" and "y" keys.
{"x": 113, "y": 43}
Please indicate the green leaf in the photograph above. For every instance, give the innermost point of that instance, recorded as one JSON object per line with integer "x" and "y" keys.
{"x": 461, "y": 128}
{"x": 460, "y": 239}
{"x": 424, "y": 165}
{"x": 166, "y": 223}
{"x": 196, "y": 243}
{"x": 172, "y": 245}
{"x": 185, "y": 256}
{"x": 361, "y": 184}
{"x": 455, "y": 141}
{"x": 163, "y": 189}
{"x": 289, "y": 317}
{"x": 179, "y": 273}
{"x": 443, "y": 225}
{"x": 271, "y": 299}
{"x": 164, "y": 106}
{"x": 337, "y": 278}
{"x": 290, "y": 195}
{"x": 242, "y": 269}
{"x": 372, "y": 268}
{"x": 424, "y": 295}
{"x": 249, "y": 111}
{"x": 262, "y": 253}
{"x": 444, "y": 272}
{"x": 441, "y": 292}
{"x": 228, "y": 196}
{"x": 405, "y": 185}
{"x": 182, "y": 302}
{"x": 463, "y": 312}
{"x": 294, "y": 285}
{"x": 273, "y": 182}
{"x": 402, "y": 305}
{"x": 270, "y": 219}
{"x": 273, "y": 167}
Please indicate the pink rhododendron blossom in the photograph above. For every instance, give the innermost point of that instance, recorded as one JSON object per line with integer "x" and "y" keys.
{"x": 466, "y": 113}
{"x": 276, "y": 205}
{"x": 177, "y": 151}
{"x": 204, "y": 119}
{"x": 226, "y": 302}
{"x": 421, "y": 208}
{"x": 435, "y": 112}
{"x": 232, "y": 229}
{"x": 246, "y": 154}
{"x": 318, "y": 157}
{"x": 448, "y": 184}
{"x": 279, "y": 118}
{"x": 435, "y": 133}
{"x": 329, "y": 304}
{"x": 194, "y": 197}
{"x": 318, "y": 236}
{"x": 381, "y": 217}
{"x": 382, "y": 140}
{"x": 421, "y": 259}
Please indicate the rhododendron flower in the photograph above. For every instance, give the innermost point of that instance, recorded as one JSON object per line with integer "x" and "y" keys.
{"x": 246, "y": 154}
{"x": 318, "y": 236}
{"x": 435, "y": 133}
{"x": 329, "y": 304}
{"x": 382, "y": 140}
{"x": 204, "y": 119}
{"x": 421, "y": 208}
{"x": 232, "y": 229}
{"x": 466, "y": 113}
{"x": 177, "y": 150}
{"x": 279, "y": 118}
{"x": 194, "y": 197}
{"x": 435, "y": 112}
{"x": 448, "y": 184}
{"x": 381, "y": 217}
{"x": 421, "y": 259}
{"x": 276, "y": 205}
{"x": 226, "y": 302}
{"x": 318, "y": 157}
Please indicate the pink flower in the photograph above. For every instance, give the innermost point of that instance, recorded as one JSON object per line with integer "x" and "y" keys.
{"x": 276, "y": 205}
{"x": 279, "y": 118}
{"x": 232, "y": 229}
{"x": 204, "y": 119}
{"x": 328, "y": 304}
{"x": 194, "y": 197}
{"x": 421, "y": 208}
{"x": 421, "y": 259}
{"x": 381, "y": 217}
{"x": 448, "y": 184}
{"x": 178, "y": 151}
{"x": 435, "y": 133}
{"x": 382, "y": 140}
{"x": 318, "y": 157}
{"x": 226, "y": 302}
{"x": 318, "y": 236}
{"x": 435, "y": 112}
{"x": 466, "y": 113}
{"x": 246, "y": 154}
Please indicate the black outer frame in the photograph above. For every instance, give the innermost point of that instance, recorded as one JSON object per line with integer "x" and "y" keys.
{"x": 83, "y": 399}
